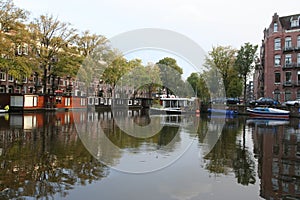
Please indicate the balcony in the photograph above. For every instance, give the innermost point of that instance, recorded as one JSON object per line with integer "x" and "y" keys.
{"x": 297, "y": 48}
{"x": 288, "y": 65}
{"x": 288, "y": 49}
{"x": 287, "y": 84}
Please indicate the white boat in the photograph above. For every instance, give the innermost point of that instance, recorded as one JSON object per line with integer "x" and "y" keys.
{"x": 174, "y": 106}
{"x": 269, "y": 113}
{"x": 3, "y": 111}
{"x": 267, "y": 122}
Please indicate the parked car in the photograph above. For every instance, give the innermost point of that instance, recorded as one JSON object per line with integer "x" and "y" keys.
{"x": 229, "y": 100}
{"x": 264, "y": 101}
{"x": 292, "y": 103}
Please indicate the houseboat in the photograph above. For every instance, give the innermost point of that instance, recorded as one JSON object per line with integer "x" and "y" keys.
{"x": 174, "y": 105}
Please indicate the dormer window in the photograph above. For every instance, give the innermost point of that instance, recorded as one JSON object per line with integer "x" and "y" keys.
{"x": 275, "y": 28}
{"x": 294, "y": 22}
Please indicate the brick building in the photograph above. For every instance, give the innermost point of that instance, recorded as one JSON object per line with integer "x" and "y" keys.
{"x": 278, "y": 76}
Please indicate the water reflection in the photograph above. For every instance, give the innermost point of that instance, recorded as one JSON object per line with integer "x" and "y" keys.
{"x": 146, "y": 147}
{"x": 278, "y": 150}
{"x": 41, "y": 155}
{"x": 230, "y": 154}
{"x": 44, "y": 156}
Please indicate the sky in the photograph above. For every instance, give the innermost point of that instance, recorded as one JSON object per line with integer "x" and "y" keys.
{"x": 207, "y": 23}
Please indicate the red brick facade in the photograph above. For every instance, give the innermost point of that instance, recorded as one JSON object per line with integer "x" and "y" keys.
{"x": 279, "y": 73}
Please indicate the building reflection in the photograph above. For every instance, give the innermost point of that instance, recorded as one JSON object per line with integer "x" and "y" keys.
{"x": 42, "y": 156}
{"x": 277, "y": 147}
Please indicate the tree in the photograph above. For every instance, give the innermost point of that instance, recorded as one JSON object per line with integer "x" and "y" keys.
{"x": 53, "y": 42}
{"x": 16, "y": 57}
{"x": 143, "y": 77}
{"x": 93, "y": 49}
{"x": 11, "y": 16}
{"x": 245, "y": 62}
{"x": 170, "y": 74}
{"x": 222, "y": 59}
{"x": 87, "y": 43}
{"x": 114, "y": 71}
{"x": 235, "y": 86}
{"x": 199, "y": 85}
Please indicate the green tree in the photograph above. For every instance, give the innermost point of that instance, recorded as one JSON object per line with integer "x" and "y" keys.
{"x": 53, "y": 43}
{"x": 199, "y": 85}
{"x": 222, "y": 59}
{"x": 245, "y": 62}
{"x": 235, "y": 86}
{"x": 143, "y": 78}
{"x": 115, "y": 71}
{"x": 170, "y": 74}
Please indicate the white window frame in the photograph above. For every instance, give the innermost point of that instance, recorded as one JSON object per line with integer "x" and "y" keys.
{"x": 19, "y": 50}
{"x": 286, "y": 77}
{"x": 25, "y": 49}
{"x": 288, "y": 59}
{"x": 275, "y": 27}
{"x": 294, "y": 23}
{"x": 288, "y": 43}
{"x": 277, "y": 60}
{"x": 277, "y": 44}
{"x": 2, "y": 76}
{"x": 298, "y": 41}
{"x": 10, "y": 78}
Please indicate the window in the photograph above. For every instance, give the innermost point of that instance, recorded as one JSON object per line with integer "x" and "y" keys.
{"x": 298, "y": 94}
{"x": 277, "y": 44}
{"x": 288, "y": 43}
{"x": 2, "y": 88}
{"x": 275, "y": 27}
{"x": 288, "y": 95}
{"x": 294, "y": 22}
{"x": 10, "y": 78}
{"x": 288, "y": 60}
{"x": 298, "y": 78}
{"x": 2, "y": 76}
{"x": 288, "y": 77}
{"x": 19, "y": 50}
{"x": 277, "y": 77}
{"x": 298, "y": 60}
{"x": 24, "y": 79}
{"x": 277, "y": 59}
{"x": 277, "y": 95}
{"x": 298, "y": 41}
{"x": 25, "y": 49}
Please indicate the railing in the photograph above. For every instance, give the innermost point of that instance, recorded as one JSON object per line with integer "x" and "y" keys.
{"x": 287, "y": 84}
{"x": 289, "y": 48}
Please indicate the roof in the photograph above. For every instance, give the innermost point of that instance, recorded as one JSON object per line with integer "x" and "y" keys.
{"x": 286, "y": 21}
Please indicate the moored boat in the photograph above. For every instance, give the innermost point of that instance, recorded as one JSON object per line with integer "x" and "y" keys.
{"x": 174, "y": 106}
{"x": 269, "y": 113}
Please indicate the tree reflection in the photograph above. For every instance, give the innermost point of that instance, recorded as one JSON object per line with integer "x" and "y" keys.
{"x": 45, "y": 161}
{"x": 229, "y": 155}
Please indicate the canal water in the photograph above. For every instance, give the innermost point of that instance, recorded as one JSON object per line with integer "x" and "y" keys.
{"x": 131, "y": 155}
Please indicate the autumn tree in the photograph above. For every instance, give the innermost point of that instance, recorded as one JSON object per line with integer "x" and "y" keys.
{"x": 96, "y": 53}
{"x": 15, "y": 42}
{"x": 245, "y": 62}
